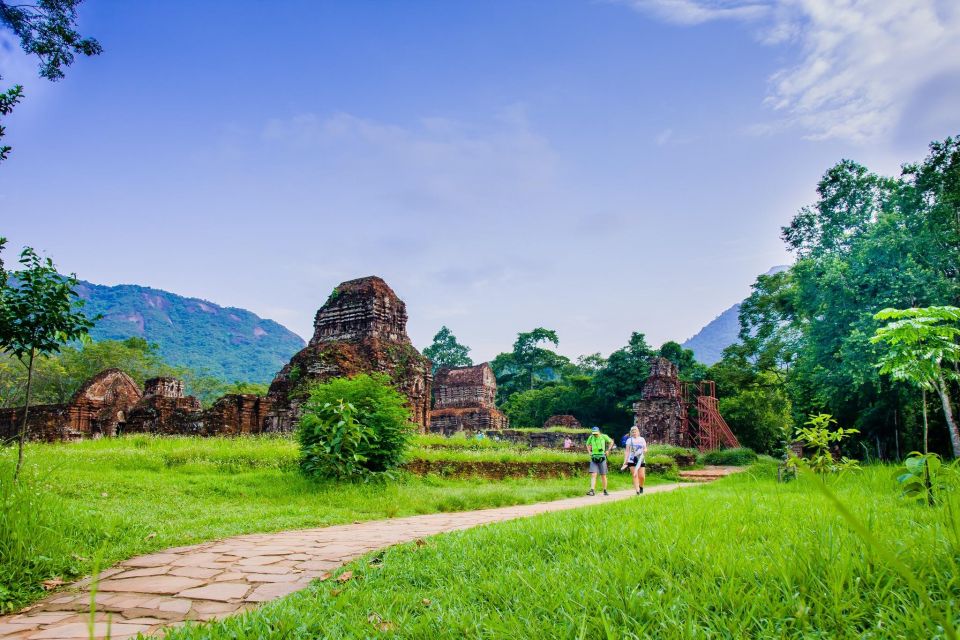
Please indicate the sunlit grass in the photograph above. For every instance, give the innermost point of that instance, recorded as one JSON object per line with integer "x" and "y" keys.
{"x": 131, "y": 495}
{"x": 743, "y": 558}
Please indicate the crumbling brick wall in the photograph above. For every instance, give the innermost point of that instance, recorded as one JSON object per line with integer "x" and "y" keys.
{"x": 100, "y": 407}
{"x": 661, "y": 412}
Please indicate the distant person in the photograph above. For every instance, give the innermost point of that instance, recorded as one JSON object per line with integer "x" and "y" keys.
{"x": 567, "y": 443}
{"x": 479, "y": 435}
{"x": 635, "y": 458}
{"x": 599, "y": 445}
{"x": 623, "y": 440}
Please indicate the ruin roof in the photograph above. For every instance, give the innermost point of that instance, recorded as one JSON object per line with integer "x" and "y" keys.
{"x": 107, "y": 377}
{"x": 461, "y": 376}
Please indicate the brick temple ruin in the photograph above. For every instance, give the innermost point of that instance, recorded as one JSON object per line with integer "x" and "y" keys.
{"x": 100, "y": 407}
{"x": 362, "y": 328}
{"x": 683, "y": 414}
{"x": 463, "y": 401}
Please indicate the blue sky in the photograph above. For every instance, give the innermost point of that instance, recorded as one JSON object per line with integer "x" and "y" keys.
{"x": 596, "y": 167}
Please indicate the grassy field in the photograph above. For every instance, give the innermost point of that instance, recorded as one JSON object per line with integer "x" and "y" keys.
{"x": 745, "y": 557}
{"x": 116, "y": 498}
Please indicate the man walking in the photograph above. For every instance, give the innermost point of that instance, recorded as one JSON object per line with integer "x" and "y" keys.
{"x": 599, "y": 445}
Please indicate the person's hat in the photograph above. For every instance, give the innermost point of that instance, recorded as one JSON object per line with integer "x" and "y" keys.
{"x": 595, "y": 430}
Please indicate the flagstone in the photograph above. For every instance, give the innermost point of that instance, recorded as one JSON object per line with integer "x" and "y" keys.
{"x": 151, "y": 584}
{"x": 217, "y": 591}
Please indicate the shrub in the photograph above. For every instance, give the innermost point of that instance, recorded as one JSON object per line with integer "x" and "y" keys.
{"x": 353, "y": 427}
{"x": 730, "y": 457}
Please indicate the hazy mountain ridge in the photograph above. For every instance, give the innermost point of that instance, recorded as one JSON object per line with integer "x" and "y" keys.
{"x": 226, "y": 342}
{"x": 721, "y": 332}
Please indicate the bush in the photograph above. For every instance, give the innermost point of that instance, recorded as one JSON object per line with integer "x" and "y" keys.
{"x": 353, "y": 427}
{"x": 730, "y": 457}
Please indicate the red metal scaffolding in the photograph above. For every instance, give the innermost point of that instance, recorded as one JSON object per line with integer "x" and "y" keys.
{"x": 703, "y": 425}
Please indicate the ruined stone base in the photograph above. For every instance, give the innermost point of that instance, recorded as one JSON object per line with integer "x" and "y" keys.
{"x": 469, "y": 419}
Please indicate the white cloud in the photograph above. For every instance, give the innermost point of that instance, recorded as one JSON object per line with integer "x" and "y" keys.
{"x": 700, "y": 11}
{"x": 859, "y": 63}
{"x": 434, "y": 164}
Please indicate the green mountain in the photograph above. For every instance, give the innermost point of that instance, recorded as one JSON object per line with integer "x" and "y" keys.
{"x": 224, "y": 342}
{"x": 721, "y": 332}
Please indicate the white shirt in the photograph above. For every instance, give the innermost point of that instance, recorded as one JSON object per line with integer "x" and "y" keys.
{"x": 636, "y": 448}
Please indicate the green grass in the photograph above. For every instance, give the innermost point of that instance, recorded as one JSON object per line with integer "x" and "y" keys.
{"x": 120, "y": 497}
{"x": 745, "y": 557}
{"x": 436, "y": 441}
{"x": 730, "y": 457}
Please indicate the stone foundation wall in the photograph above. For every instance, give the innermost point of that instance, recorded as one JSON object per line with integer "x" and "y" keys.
{"x": 470, "y": 420}
{"x": 237, "y": 414}
{"x": 567, "y": 421}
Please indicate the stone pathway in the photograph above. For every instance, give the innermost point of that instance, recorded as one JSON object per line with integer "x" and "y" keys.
{"x": 224, "y": 577}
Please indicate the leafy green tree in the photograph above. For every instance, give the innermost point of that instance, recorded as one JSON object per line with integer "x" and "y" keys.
{"x": 353, "y": 427}
{"x": 47, "y": 29}
{"x": 923, "y": 349}
{"x": 869, "y": 242}
{"x": 529, "y": 364}
{"x": 689, "y": 368}
{"x": 621, "y": 380}
{"x": 39, "y": 316}
{"x": 445, "y": 351}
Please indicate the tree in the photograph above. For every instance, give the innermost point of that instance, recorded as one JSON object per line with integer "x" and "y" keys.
{"x": 529, "y": 364}
{"x": 621, "y": 380}
{"x": 868, "y": 243}
{"x": 47, "y": 29}
{"x": 923, "y": 349}
{"x": 445, "y": 351}
{"x": 39, "y": 316}
{"x": 687, "y": 365}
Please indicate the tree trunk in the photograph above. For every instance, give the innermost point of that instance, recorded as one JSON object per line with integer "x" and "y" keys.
{"x": 923, "y": 393}
{"x": 26, "y": 414}
{"x": 948, "y": 413}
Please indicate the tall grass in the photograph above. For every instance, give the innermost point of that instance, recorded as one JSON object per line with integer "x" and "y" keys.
{"x": 742, "y": 558}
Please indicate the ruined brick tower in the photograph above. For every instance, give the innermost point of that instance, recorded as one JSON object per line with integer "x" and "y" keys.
{"x": 661, "y": 411}
{"x": 362, "y": 328}
{"x": 463, "y": 400}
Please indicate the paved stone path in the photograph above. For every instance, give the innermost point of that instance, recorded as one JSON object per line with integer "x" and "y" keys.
{"x": 220, "y": 578}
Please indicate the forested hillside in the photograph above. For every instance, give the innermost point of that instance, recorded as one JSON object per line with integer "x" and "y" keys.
{"x": 223, "y": 342}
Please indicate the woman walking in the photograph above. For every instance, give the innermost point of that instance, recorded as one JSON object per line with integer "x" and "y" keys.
{"x": 634, "y": 457}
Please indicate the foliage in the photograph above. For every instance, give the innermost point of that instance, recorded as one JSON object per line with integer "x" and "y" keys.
{"x": 445, "y": 351}
{"x": 921, "y": 477}
{"x": 8, "y": 100}
{"x": 754, "y": 404}
{"x": 563, "y": 575}
{"x": 38, "y": 316}
{"x": 45, "y": 28}
{"x": 529, "y": 364}
{"x": 627, "y": 369}
{"x": 687, "y": 365}
{"x": 352, "y": 427}
{"x": 137, "y": 494}
{"x": 730, "y": 457}
{"x": 921, "y": 346}
{"x": 824, "y": 443}
{"x": 868, "y": 243}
